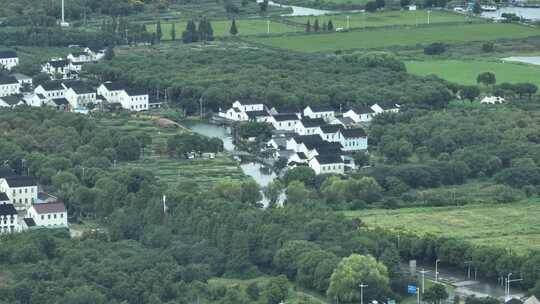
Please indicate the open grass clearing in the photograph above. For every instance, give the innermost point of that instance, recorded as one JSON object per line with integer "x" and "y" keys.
{"x": 409, "y": 36}
{"x": 466, "y": 71}
{"x": 504, "y": 225}
{"x": 387, "y": 18}
{"x": 221, "y": 28}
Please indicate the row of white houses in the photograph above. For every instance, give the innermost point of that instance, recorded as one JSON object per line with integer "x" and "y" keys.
{"x": 22, "y": 208}
{"x": 76, "y": 96}
{"x": 315, "y": 136}
{"x": 71, "y": 66}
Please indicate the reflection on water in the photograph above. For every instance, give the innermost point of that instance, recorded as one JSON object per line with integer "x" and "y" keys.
{"x": 525, "y": 12}
{"x": 257, "y": 171}
{"x": 524, "y": 59}
{"x": 302, "y": 11}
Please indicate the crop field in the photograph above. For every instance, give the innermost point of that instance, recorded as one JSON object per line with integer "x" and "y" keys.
{"x": 411, "y": 36}
{"x": 501, "y": 225}
{"x": 465, "y": 71}
{"x": 359, "y": 20}
{"x": 221, "y": 28}
{"x": 171, "y": 171}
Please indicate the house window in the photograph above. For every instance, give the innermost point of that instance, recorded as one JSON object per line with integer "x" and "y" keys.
{"x": 42, "y": 217}
{"x": 55, "y": 216}
{"x": 48, "y": 216}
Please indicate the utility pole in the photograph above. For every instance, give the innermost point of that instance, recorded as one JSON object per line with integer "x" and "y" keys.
{"x": 268, "y": 26}
{"x": 423, "y": 272}
{"x": 437, "y": 270}
{"x": 201, "y": 107}
{"x": 348, "y": 21}
{"x": 362, "y": 285}
{"x": 468, "y": 263}
{"x": 428, "y": 13}
{"x": 417, "y": 295}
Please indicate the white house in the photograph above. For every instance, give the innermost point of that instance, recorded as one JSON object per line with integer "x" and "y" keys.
{"x": 378, "y": 109}
{"x": 51, "y": 89}
{"x": 60, "y": 68}
{"x": 354, "y": 139}
{"x": 285, "y": 122}
{"x": 327, "y": 164}
{"x": 326, "y": 113}
{"x": 60, "y": 104}
{"x": 8, "y": 218}
{"x": 309, "y": 126}
{"x": 246, "y": 112}
{"x": 12, "y": 101}
{"x": 85, "y": 56}
{"x": 8, "y": 59}
{"x": 9, "y": 86}
{"x": 4, "y": 199}
{"x": 21, "y": 190}
{"x": 49, "y": 215}
{"x": 35, "y": 100}
{"x": 79, "y": 94}
{"x": 330, "y": 133}
{"x": 248, "y": 107}
{"x": 111, "y": 91}
{"x": 23, "y": 80}
{"x": 492, "y": 100}
{"x": 134, "y": 100}
{"x": 360, "y": 114}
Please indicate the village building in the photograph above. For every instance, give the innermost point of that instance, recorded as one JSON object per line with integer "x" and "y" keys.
{"x": 285, "y": 122}
{"x": 354, "y": 139}
{"x": 79, "y": 94}
{"x": 60, "y": 104}
{"x": 85, "y": 56}
{"x": 309, "y": 126}
{"x": 9, "y": 86}
{"x": 360, "y": 114}
{"x": 8, "y": 59}
{"x": 330, "y": 133}
{"x": 324, "y": 112}
{"x": 21, "y": 190}
{"x": 12, "y": 101}
{"x": 51, "y": 89}
{"x": 59, "y": 68}
{"x": 327, "y": 164}
{"x": 8, "y": 218}
{"x": 49, "y": 215}
{"x": 24, "y": 80}
{"x": 246, "y": 112}
{"x": 134, "y": 100}
{"x": 110, "y": 91}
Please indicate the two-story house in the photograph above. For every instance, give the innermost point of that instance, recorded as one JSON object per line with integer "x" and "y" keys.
{"x": 324, "y": 112}
{"x": 49, "y": 215}
{"x": 9, "y": 86}
{"x": 8, "y": 59}
{"x": 134, "y": 100}
{"x": 8, "y": 218}
{"x": 354, "y": 139}
{"x": 51, "y": 89}
{"x": 79, "y": 94}
{"x": 327, "y": 164}
{"x": 21, "y": 190}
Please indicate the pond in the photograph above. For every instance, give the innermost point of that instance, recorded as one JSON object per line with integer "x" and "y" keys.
{"x": 524, "y": 59}
{"x": 525, "y": 12}
{"x": 302, "y": 11}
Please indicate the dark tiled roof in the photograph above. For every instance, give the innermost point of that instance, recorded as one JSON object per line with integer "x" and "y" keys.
{"x": 329, "y": 147}
{"x": 6, "y": 172}
{"x": 350, "y": 133}
{"x": 309, "y": 140}
{"x": 7, "y": 209}
{"x": 4, "y": 79}
{"x": 8, "y": 54}
{"x": 362, "y": 110}
{"x": 60, "y": 101}
{"x": 50, "y": 207}
{"x": 285, "y": 117}
{"x": 347, "y": 120}
{"x": 113, "y": 86}
{"x": 53, "y": 86}
{"x": 3, "y": 197}
{"x": 136, "y": 92}
{"x": 41, "y": 96}
{"x": 12, "y": 99}
{"x": 326, "y": 159}
{"x": 77, "y": 54}
{"x": 301, "y": 155}
{"x": 29, "y": 222}
{"x": 321, "y": 108}
{"x": 58, "y": 63}
{"x": 288, "y": 109}
{"x": 254, "y": 114}
{"x": 312, "y": 123}
{"x": 20, "y": 181}
{"x": 80, "y": 87}
{"x": 330, "y": 128}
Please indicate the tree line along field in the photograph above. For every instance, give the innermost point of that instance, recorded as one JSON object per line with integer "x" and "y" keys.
{"x": 512, "y": 226}
{"x": 222, "y": 27}
{"x": 466, "y": 71}
{"x": 387, "y": 18}
{"x": 411, "y": 36}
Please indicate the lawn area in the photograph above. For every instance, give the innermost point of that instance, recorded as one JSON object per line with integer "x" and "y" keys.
{"x": 170, "y": 171}
{"x": 410, "y": 36}
{"x": 494, "y": 225}
{"x": 221, "y": 28}
{"x": 465, "y": 71}
{"x": 386, "y": 18}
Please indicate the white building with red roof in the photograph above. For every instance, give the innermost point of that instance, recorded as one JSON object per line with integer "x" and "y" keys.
{"x": 49, "y": 215}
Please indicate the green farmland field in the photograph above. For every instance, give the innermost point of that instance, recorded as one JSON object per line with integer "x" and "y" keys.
{"x": 465, "y": 72}
{"x": 411, "y": 36}
{"x": 221, "y": 28}
{"x": 504, "y": 225}
{"x": 359, "y": 20}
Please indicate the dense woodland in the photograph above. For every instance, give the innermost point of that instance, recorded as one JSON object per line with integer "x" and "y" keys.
{"x": 272, "y": 77}
{"x": 147, "y": 254}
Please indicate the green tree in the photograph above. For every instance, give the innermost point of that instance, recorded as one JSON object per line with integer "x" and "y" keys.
{"x": 276, "y": 290}
{"x": 371, "y": 6}
{"x": 355, "y": 270}
{"x": 470, "y": 92}
{"x": 486, "y": 78}
{"x": 316, "y": 27}
{"x": 190, "y": 35}
{"x": 109, "y": 54}
{"x": 308, "y": 26}
{"x": 173, "y": 31}
{"x": 251, "y": 192}
{"x": 233, "y": 30}
{"x": 380, "y": 3}
{"x": 84, "y": 295}
{"x": 330, "y": 26}
{"x": 297, "y": 193}
{"x": 488, "y": 47}
{"x": 436, "y": 294}
{"x": 477, "y": 8}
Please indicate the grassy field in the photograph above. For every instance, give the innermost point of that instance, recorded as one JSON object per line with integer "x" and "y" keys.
{"x": 410, "y": 36}
{"x": 465, "y": 71}
{"x": 494, "y": 225}
{"x": 387, "y": 18}
{"x": 170, "y": 171}
{"x": 221, "y": 28}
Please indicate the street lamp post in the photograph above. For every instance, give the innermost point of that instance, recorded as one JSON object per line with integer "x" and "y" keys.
{"x": 362, "y": 285}
{"x": 437, "y": 270}
{"x": 423, "y": 272}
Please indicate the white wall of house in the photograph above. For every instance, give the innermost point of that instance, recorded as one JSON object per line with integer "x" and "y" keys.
{"x": 358, "y": 117}
{"x": 330, "y": 137}
{"x": 133, "y": 103}
{"x": 50, "y": 94}
{"x": 58, "y": 219}
{"x": 112, "y": 96}
{"x": 354, "y": 143}
{"x": 286, "y": 125}
{"x": 19, "y": 195}
{"x": 326, "y": 115}
{"x": 8, "y": 223}
{"x": 79, "y": 100}
{"x": 9, "y": 63}
{"x": 248, "y": 107}
{"x": 338, "y": 168}
{"x": 10, "y": 89}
